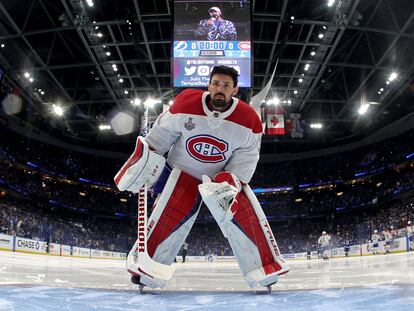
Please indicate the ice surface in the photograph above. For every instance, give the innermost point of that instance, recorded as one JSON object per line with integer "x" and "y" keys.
{"x": 39, "y": 282}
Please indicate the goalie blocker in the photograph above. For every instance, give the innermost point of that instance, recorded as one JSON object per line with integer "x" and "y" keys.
{"x": 242, "y": 221}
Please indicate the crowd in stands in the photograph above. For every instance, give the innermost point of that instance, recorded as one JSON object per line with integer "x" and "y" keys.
{"x": 204, "y": 239}
{"x": 339, "y": 166}
{"x": 58, "y": 161}
{"x": 47, "y": 201}
{"x": 21, "y": 218}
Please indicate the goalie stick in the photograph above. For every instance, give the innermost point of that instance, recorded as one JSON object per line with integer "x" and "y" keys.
{"x": 138, "y": 258}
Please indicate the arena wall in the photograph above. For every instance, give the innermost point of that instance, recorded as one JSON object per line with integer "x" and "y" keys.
{"x": 18, "y": 244}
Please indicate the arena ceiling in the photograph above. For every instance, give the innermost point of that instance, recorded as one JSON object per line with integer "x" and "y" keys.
{"x": 57, "y": 42}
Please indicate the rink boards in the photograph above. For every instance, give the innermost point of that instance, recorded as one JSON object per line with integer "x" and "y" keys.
{"x": 18, "y": 244}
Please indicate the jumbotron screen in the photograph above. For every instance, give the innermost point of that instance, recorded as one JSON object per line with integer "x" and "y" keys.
{"x": 208, "y": 34}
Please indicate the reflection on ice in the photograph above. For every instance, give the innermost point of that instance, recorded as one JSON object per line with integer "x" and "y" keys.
{"x": 37, "y": 282}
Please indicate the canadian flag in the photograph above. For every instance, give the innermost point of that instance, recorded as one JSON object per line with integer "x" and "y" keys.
{"x": 275, "y": 122}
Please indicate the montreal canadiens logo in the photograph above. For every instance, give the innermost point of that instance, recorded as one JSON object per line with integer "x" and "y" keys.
{"x": 244, "y": 45}
{"x": 206, "y": 148}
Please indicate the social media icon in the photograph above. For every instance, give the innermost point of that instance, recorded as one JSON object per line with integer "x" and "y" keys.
{"x": 190, "y": 70}
{"x": 203, "y": 70}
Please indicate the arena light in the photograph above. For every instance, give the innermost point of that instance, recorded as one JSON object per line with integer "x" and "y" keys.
{"x": 331, "y": 2}
{"x": 108, "y": 53}
{"x": 295, "y": 92}
{"x": 313, "y": 53}
{"x": 82, "y": 194}
{"x": 274, "y": 101}
{"x": 3, "y": 45}
{"x": 298, "y": 200}
{"x": 126, "y": 92}
{"x": 363, "y": 109}
{"x": 27, "y": 75}
{"x": 89, "y": 3}
{"x": 392, "y": 76}
{"x": 121, "y": 80}
{"x": 300, "y": 80}
{"x": 123, "y": 200}
{"x": 99, "y": 34}
{"x": 320, "y": 36}
{"x": 316, "y": 125}
{"x": 339, "y": 194}
{"x": 31, "y": 80}
{"x": 57, "y": 110}
{"x": 150, "y": 102}
{"x": 104, "y": 127}
{"x": 136, "y": 102}
{"x": 306, "y": 67}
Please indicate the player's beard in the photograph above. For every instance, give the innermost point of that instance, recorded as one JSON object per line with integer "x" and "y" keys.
{"x": 220, "y": 102}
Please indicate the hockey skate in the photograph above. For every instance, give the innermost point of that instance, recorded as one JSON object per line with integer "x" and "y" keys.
{"x": 135, "y": 279}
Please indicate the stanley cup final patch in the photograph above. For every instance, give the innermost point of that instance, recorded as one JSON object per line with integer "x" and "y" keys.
{"x": 189, "y": 125}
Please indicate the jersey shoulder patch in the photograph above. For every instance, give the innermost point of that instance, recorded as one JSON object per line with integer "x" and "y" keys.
{"x": 188, "y": 101}
{"x": 246, "y": 116}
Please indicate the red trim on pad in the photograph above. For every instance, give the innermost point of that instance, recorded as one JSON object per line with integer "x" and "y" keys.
{"x": 184, "y": 198}
{"x": 246, "y": 219}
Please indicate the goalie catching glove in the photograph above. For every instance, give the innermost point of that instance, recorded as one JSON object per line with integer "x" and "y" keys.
{"x": 144, "y": 166}
{"x": 220, "y": 193}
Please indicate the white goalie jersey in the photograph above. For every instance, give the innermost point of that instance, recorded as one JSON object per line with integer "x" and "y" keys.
{"x": 204, "y": 142}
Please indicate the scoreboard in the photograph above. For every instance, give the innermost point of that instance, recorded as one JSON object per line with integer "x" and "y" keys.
{"x": 195, "y": 57}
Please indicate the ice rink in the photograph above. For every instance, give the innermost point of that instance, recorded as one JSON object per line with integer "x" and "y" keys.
{"x": 40, "y": 282}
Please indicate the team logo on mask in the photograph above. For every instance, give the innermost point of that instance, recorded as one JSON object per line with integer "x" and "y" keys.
{"x": 207, "y": 149}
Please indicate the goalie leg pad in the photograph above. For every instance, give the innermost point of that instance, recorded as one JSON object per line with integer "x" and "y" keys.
{"x": 251, "y": 239}
{"x": 175, "y": 211}
{"x": 174, "y": 214}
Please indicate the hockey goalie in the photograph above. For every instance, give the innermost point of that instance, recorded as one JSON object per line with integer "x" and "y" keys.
{"x": 212, "y": 140}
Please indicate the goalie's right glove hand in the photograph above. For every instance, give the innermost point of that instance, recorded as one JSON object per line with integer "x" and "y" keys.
{"x": 219, "y": 195}
{"x": 144, "y": 166}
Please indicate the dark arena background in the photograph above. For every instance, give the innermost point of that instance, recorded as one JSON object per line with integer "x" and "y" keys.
{"x": 337, "y": 152}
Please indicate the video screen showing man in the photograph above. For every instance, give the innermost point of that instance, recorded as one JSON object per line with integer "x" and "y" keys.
{"x": 212, "y": 21}
{"x": 216, "y": 27}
